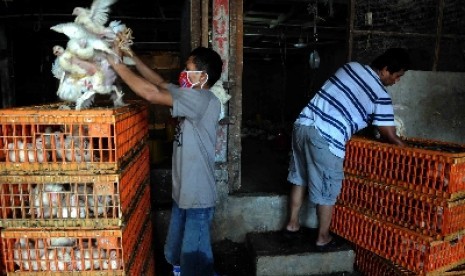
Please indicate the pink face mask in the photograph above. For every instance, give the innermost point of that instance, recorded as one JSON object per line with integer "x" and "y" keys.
{"x": 184, "y": 80}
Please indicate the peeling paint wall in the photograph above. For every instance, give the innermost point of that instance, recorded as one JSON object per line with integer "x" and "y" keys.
{"x": 431, "y": 105}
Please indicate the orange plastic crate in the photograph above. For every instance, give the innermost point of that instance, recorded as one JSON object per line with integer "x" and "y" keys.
{"x": 2, "y": 261}
{"x": 149, "y": 267}
{"x": 95, "y": 201}
{"x": 138, "y": 221}
{"x": 426, "y": 166}
{"x": 435, "y": 217}
{"x": 141, "y": 254}
{"x": 408, "y": 249}
{"x": 370, "y": 264}
{"x": 42, "y": 139}
{"x": 106, "y": 252}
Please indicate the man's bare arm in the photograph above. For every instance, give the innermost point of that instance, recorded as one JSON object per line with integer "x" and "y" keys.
{"x": 389, "y": 133}
{"x": 156, "y": 94}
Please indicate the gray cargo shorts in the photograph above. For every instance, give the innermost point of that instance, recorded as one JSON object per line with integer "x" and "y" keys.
{"x": 312, "y": 164}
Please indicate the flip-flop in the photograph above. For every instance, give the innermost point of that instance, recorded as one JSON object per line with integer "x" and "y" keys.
{"x": 329, "y": 247}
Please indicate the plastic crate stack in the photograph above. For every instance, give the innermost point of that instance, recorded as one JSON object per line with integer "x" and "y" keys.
{"x": 403, "y": 208}
{"x": 74, "y": 191}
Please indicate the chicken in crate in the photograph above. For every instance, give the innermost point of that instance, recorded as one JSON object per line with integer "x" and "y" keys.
{"x": 89, "y": 250}
{"x": 98, "y": 200}
{"x": 40, "y": 139}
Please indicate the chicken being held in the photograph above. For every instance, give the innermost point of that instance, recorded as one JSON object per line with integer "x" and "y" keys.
{"x": 72, "y": 64}
{"x": 76, "y": 31}
{"x": 80, "y": 79}
{"x": 94, "y": 18}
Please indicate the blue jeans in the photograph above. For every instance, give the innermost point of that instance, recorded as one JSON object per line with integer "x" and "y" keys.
{"x": 188, "y": 242}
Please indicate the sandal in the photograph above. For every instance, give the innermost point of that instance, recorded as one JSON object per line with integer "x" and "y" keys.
{"x": 329, "y": 247}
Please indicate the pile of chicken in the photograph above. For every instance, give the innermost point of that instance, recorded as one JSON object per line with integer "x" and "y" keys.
{"x": 82, "y": 66}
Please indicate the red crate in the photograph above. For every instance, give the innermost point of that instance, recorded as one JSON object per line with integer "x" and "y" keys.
{"x": 370, "y": 264}
{"x": 2, "y": 261}
{"x": 149, "y": 267}
{"x": 107, "y": 252}
{"x": 137, "y": 222}
{"x": 408, "y": 249}
{"x": 142, "y": 253}
{"x": 426, "y": 166}
{"x": 435, "y": 217}
{"x": 42, "y": 139}
{"x": 90, "y": 200}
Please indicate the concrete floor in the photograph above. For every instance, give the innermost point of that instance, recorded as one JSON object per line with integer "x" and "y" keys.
{"x": 264, "y": 171}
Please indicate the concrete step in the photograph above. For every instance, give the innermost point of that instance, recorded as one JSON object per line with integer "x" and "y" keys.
{"x": 279, "y": 254}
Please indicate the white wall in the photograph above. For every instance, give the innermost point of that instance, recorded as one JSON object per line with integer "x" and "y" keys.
{"x": 431, "y": 105}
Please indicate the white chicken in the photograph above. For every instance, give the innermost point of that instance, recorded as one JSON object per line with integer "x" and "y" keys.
{"x": 80, "y": 79}
{"x": 95, "y": 17}
{"x": 81, "y": 48}
{"x": 112, "y": 262}
{"x": 84, "y": 192}
{"x": 35, "y": 151}
{"x": 77, "y": 150}
{"x": 53, "y": 143}
{"x": 100, "y": 205}
{"x": 87, "y": 259}
{"x": 73, "y": 207}
{"x": 25, "y": 255}
{"x": 57, "y": 259}
{"x": 76, "y": 91}
{"x": 61, "y": 242}
{"x": 45, "y": 200}
{"x": 73, "y": 64}
{"x": 76, "y": 31}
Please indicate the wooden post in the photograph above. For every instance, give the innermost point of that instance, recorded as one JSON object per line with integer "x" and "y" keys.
{"x": 350, "y": 39}
{"x": 205, "y": 27}
{"x": 438, "y": 34}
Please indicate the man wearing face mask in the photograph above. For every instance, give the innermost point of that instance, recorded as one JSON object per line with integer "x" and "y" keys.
{"x": 353, "y": 98}
{"x": 188, "y": 242}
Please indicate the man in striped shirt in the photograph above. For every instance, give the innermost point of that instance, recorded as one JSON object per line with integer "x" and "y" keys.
{"x": 353, "y": 98}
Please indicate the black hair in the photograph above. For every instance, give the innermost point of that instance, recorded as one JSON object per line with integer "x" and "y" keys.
{"x": 395, "y": 59}
{"x": 206, "y": 59}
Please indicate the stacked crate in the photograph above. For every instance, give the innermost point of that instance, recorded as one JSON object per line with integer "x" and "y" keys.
{"x": 74, "y": 190}
{"x": 403, "y": 207}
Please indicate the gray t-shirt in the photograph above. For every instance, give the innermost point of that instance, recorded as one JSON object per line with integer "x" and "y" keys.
{"x": 194, "y": 184}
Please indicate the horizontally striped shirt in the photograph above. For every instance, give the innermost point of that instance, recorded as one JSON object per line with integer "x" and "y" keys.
{"x": 349, "y": 101}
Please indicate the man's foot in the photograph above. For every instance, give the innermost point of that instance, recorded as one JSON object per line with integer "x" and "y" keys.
{"x": 330, "y": 246}
{"x": 292, "y": 228}
{"x": 288, "y": 233}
